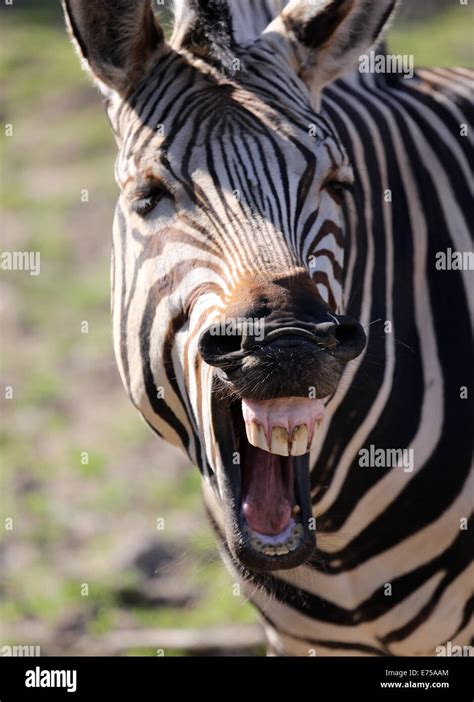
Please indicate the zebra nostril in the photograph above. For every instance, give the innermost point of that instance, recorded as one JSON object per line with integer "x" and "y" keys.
{"x": 218, "y": 348}
{"x": 350, "y": 338}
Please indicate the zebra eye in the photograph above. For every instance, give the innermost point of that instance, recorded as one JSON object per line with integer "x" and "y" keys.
{"x": 339, "y": 187}
{"x": 145, "y": 204}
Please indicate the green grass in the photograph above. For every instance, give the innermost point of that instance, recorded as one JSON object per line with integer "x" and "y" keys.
{"x": 218, "y": 604}
{"x": 446, "y": 40}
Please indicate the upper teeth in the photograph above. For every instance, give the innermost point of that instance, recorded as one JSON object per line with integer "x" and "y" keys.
{"x": 287, "y": 426}
{"x": 299, "y": 440}
{"x": 281, "y": 441}
{"x": 256, "y": 435}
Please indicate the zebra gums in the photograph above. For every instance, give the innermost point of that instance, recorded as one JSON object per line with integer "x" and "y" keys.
{"x": 278, "y": 311}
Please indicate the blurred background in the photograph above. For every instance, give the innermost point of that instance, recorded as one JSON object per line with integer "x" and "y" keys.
{"x": 83, "y": 567}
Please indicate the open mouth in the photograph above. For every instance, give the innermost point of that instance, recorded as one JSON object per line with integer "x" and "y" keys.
{"x": 263, "y": 478}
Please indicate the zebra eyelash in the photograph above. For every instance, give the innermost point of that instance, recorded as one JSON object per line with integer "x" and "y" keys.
{"x": 144, "y": 205}
{"x": 339, "y": 187}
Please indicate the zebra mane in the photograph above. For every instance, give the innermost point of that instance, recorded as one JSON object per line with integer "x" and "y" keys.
{"x": 205, "y": 28}
{"x": 214, "y": 29}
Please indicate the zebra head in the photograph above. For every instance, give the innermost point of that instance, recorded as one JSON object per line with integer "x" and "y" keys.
{"x": 229, "y": 238}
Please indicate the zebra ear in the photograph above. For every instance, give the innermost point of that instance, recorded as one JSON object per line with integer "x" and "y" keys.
{"x": 322, "y": 39}
{"x": 115, "y": 39}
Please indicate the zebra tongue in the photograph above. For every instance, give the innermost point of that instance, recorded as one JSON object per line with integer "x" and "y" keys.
{"x": 267, "y": 487}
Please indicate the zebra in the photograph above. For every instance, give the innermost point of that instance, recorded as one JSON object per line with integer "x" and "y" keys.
{"x": 277, "y": 309}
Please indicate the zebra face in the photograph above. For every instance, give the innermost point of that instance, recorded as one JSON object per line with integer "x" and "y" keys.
{"x": 228, "y": 244}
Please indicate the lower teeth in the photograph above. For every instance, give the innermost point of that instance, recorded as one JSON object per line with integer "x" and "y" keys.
{"x": 291, "y": 543}
{"x": 268, "y": 550}
{"x": 281, "y": 550}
